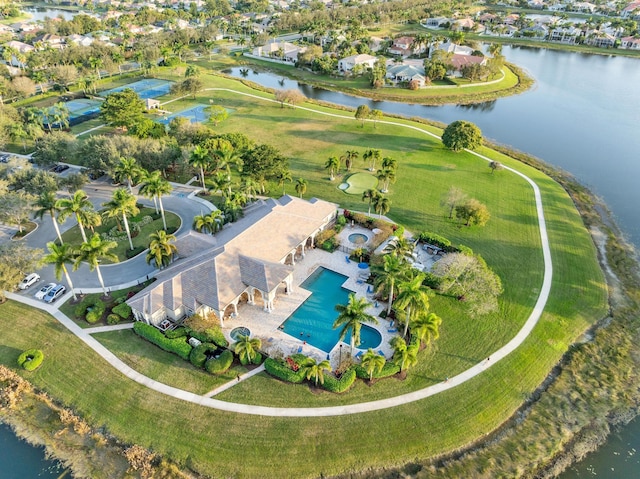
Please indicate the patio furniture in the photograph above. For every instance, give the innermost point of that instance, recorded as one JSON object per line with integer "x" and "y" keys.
{"x": 346, "y": 258}
{"x": 360, "y": 353}
{"x": 392, "y": 330}
{"x": 381, "y": 353}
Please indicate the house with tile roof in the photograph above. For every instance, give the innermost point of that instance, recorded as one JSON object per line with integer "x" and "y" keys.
{"x": 250, "y": 261}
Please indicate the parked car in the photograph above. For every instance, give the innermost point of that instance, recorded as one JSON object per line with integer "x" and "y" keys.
{"x": 54, "y": 294}
{"x": 29, "y": 280}
{"x": 42, "y": 292}
{"x": 4, "y": 158}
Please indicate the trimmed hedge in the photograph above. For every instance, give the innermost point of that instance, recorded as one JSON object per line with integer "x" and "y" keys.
{"x": 335, "y": 385}
{"x": 198, "y": 354}
{"x": 221, "y": 364}
{"x": 96, "y": 311}
{"x": 31, "y": 359}
{"x": 123, "y": 310}
{"x": 389, "y": 369}
{"x": 434, "y": 239}
{"x": 280, "y": 370}
{"x": 113, "y": 319}
{"x": 176, "y": 333}
{"x": 210, "y": 335}
{"x": 131, "y": 253}
{"x": 177, "y": 346}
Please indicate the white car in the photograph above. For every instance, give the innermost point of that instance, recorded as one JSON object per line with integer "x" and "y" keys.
{"x": 54, "y": 294}
{"x": 42, "y": 292}
{"x": 29, "y": 280}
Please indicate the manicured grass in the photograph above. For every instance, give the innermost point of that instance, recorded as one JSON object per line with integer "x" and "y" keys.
{"x": 242, "y": 446}
{"x": 73, "y": 235}
{"x": 360, "y": 182}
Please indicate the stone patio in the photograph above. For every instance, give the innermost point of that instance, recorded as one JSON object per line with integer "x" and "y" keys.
{"x": 265, "y": 325}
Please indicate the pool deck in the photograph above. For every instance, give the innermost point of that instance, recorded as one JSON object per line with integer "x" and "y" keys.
{"x": 278, "y": 343}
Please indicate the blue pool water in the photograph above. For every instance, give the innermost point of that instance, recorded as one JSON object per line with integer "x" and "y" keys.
{"x": 313, "y": 320}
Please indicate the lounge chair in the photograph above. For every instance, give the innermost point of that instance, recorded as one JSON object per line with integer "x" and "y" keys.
{"x": 360, "y": 353}
{"x": 392, "y": 330}
{"x": 346, "y": 258}
{"x": 381, "y": 353}
{"x": 300, "y": 349}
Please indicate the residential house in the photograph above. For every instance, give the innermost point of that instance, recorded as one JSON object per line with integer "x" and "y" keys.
{"x": 436, "y": 22}
{"x": 376, "y": 44}
{"x": 568, "y": 34}
{"x": 632, "y": 10}
{"x": 458, "y": 62}
{"x": 464, "y": 24}
{"x": 630, "y": 43}
{"x": 80, "y": 40}
{"x": 537, "y": 31}
{"x": 50, "y": 40}
{"x": 284, "y": 51}
{"x": 454, "y": 48}
{"x": 404, "y": 47}
{"x": 252, "y": 261}
{"x": 583, "y": 7}
{"x": 600, "y": 39}
{"x": 21, "y": 49}
{"x": 346, "y": 64}
{"x": 406, "y": 73}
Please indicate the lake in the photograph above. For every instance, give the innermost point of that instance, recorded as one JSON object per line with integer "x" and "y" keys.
{"x": 20, "y": 460}
{"x": 581, "y": 116}
{"x": 40, "y": 13}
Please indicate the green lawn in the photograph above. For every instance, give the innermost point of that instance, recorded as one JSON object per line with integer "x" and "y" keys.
{"x": 242, "y": 446}
{"x": 73, "y": 235}
{"x": 360, "y": 182}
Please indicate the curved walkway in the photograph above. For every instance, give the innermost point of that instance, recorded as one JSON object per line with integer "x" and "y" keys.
{"x": 518, "y": 339}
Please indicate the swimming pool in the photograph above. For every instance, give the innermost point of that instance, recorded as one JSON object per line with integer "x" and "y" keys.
{"x": 313, "y": 320}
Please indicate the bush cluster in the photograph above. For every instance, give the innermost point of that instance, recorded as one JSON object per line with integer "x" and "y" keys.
{"x": 123, "y": 310}
{"x": 209, "y": 335}
{"x": 92, "y": 303}
{"x": 281, "y": 370}
{"x": 31, "y": 359}
{"x": 221, "y": 364}
{"x": 335, "y": 385}
{"x": 389, "y": 369}
{"x": 176, "y": 333}
{"x": 198, "y": 354}
{"x": 113, "y": 319}
{"x": 134, "y": 252}
{"x": 177, "y": 346}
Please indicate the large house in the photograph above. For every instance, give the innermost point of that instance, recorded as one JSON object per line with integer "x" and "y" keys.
{"x": 252, "y": 260}
{"x": 404, "y": 47}
{"x": 346, "y": 64}
{"x": 284, "y": 51}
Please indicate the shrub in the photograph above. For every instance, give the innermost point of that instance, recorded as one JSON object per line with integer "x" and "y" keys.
{"x": 31, "y": 359}
{"x": 134, "y": 252}
{"x": 335, "y": 385}
{"x": 399, "y": 231}
{"x": 465, "y": 250}
{"x": 280, "y": 370}
{"x": 389, "y": 369}
{"x": 341, "y": 221}
{"x": 113, "y": 319}
{"x": 177, "y": 346}
{"x": 220, "y": 364}
{"x": 431, "y": 280}
{"x": 325, "y": 235}
{"x": 176, "y": 333}
{"x": 171, "y": 230}
{"x": 257, "y": 359}
{"x": 210, "y": 335}
{"x": 434, "y": 239}
{"x": 123, "y": 310}
{"x": 359, "y": 218}
{"x": 198, "y": 354}
{"x": 95, "y": 311}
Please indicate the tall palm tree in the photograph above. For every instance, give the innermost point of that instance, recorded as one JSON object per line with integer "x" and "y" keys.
{"x": 372, "y": 155}
{"x": 161, "y": 248}
{"x": 200, "y": 158}
{"x": 225, "y": 158}
{"x": 47, "y": 204}
{"x": 332, "y": 164}
{"x": 122, "y": 203}
{"x": 155, "y": 186}
{"x": 388, "y": 162}
{"x": 386, "y": 175}
{"x": 247, "y": 347}
{"x": 381, "y": 205}
{"x": 222, "y": 183}
{"x": 301, "y": 186}
{"x": 413, "y": 298}
{"x": 250, "y": 187}
{"x": 351, "y": 317}
{"x": 78, "y": 205}
{"x": 283, "y": 176}
{"x": 388, "y": 275}
{"x": 348, "y": 158}
{"x": 93, "y": 251}
{"x": 371, "y": 195}
{"x": 426, "y": 327}
{"x": 60, "y": 256}
{"x": 313, "y": 369}
{"x": 402, "y": 248}
{"x": 372, "y": 362}
{"x": 404, "y": 355}
{"x": 203, "y": 223}
{"x": 128, "y": 169}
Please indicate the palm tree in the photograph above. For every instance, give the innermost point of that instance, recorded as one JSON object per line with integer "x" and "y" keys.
{"x": 402, "y": 248}
{"x": 203, "y": 224}
{"x": 122, "y": 203}
{"x": 348, "y": 158}
{"x": 301, "y": 186}
{"x": 372, "y": 362}
{"x": 386, "y": 175}
{"x": 426, "y": 327}
{"x": 96, "y": 63}
{"x": 332, "y": 164}
{"x": 47, "y": 204}
{"x": 351, "y": 317}
{"x": 200, "y": 158}
{"x": 391, "y": 272}
{"x": 312, "y": 369}
{"x": 93, "y": 251}
{"x": 283, "y": 176}
{"x": 404, "y": 355}
{"x": 372, "y": 155}
{"x": 155, "y": 186}
{"x": 161, "y": 248}
{"x": 370, "y": 195}
{"x": 381, "y": 205}
{"x": 222, "y": 183}
{"x": 391, "y": 163}
{"x": 413, "y": 298}
{"x": 128, "y": 169}
{"x": 78, "y": 205}
{"x": 225, "y": 157}
{"x": 60, "y": 256}
{"x": 247, "y": 347}
{"x": 250, "y": 187}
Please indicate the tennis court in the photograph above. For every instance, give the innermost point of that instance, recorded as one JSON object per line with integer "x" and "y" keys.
{"x": 82, "y": 109}
{"x": 195, "y": 114}
{"x": 148, "y": 88}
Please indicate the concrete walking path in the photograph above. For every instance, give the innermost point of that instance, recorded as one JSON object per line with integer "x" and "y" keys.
{"x": 207, "y": 401}
{"x": 239, "y": 379}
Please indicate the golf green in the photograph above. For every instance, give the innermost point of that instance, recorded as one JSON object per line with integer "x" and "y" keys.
{"x": 360, "y": 182}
